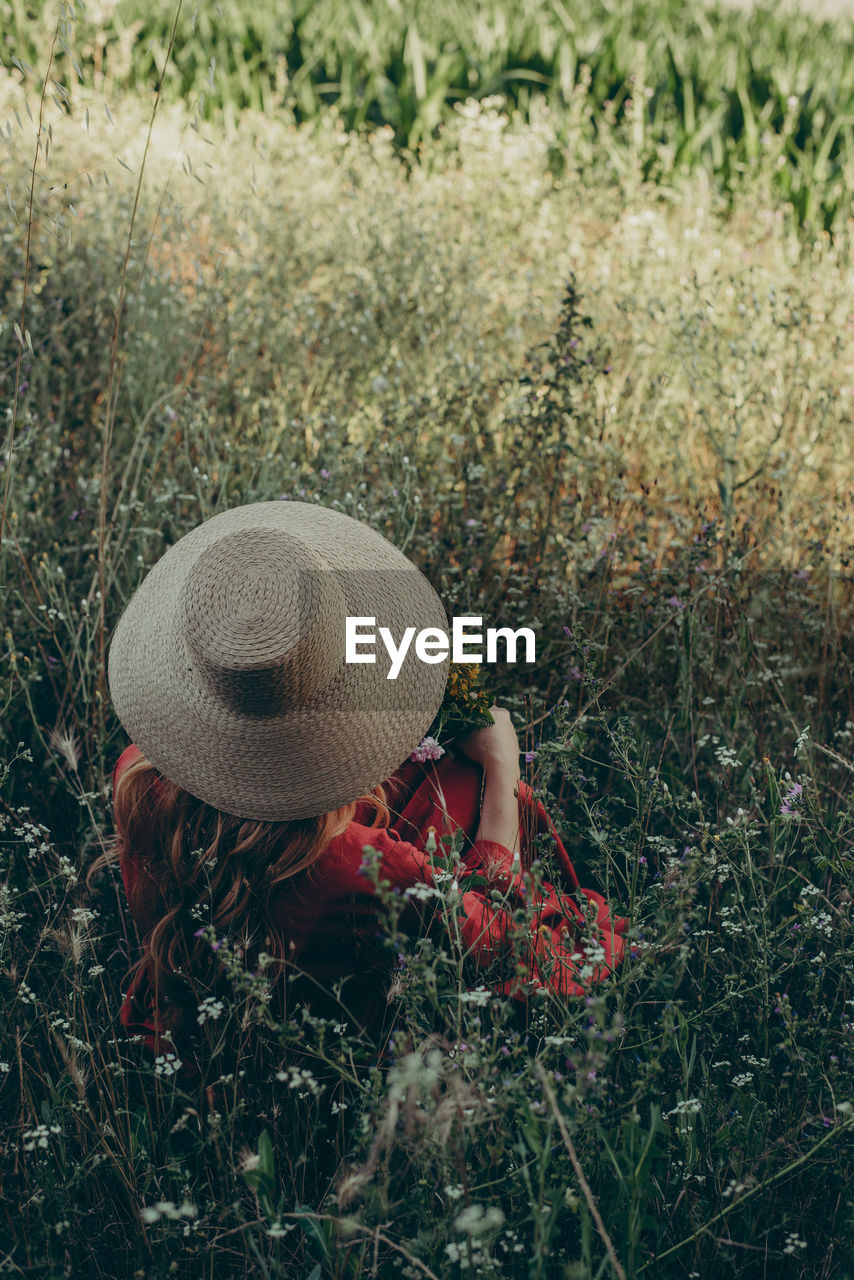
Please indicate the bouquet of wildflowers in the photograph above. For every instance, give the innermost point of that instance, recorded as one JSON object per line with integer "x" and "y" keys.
{"x": 465, "y": 707}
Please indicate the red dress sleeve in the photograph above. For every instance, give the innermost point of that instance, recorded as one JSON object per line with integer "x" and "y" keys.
{"x": 574, "y": 939}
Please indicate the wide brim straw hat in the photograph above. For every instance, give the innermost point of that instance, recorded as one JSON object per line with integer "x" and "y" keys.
{"x": 227, "y": 667}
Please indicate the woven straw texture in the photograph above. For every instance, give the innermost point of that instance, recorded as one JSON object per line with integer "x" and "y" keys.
{"x": 227, "y": 668}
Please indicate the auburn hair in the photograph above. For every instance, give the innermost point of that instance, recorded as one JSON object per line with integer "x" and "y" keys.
{"x": 197, "y": 867}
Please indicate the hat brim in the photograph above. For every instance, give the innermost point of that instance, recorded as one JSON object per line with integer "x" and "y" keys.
{"x": 312, "y": 758}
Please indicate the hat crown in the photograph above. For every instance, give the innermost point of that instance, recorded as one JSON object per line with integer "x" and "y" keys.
{"x": 263, "y": 617}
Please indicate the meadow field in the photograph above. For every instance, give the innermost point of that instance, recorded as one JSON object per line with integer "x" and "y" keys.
{"x": 561, "y": 300}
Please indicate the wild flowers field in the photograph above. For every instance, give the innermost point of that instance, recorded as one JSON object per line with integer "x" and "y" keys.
{"x": 585, "y": 388}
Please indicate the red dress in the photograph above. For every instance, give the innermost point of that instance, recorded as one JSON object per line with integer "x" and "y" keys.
{"x": 331, "y": 915}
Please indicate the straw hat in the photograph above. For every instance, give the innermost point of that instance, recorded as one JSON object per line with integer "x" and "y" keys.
{"x": 227, "y": 666}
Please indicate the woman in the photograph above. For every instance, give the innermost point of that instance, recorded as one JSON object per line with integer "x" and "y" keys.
{"x": 264, "y": 767}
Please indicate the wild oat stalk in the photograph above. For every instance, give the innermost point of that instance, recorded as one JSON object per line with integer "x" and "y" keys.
{"x": 21, "y": 332}
{"x": 113, "y": 387}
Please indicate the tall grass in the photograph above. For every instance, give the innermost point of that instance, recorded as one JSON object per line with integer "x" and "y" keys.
{"x": 621, "y": 419}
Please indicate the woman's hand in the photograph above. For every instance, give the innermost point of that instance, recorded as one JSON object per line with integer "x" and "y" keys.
{"x": 496, "y": 746}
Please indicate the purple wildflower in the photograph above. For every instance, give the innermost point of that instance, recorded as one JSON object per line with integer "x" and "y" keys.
{"x": 792, "y": 797}
{"x": 427, "y": 749}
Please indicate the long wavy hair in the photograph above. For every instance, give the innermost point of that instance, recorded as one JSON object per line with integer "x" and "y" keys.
{"x": 197, "y": 866}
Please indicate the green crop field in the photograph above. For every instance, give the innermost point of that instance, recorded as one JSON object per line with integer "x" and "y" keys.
{"x": 560, "y": 298}
{"x": 694, "y": 86}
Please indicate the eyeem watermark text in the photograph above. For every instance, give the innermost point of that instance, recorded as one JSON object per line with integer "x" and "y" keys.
{"x": 433, "y": 645}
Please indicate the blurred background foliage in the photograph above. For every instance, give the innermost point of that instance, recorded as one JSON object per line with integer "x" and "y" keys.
{"x": 694, "y": 84}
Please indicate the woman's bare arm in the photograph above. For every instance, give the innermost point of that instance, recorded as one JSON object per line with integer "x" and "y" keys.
{"x": 496, "y": 749}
